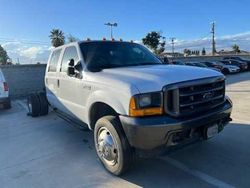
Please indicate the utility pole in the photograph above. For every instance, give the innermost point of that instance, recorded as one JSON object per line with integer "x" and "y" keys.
{"x": 111, "y": 25}
{"x": 213, "y": 39}
{"x": 172, "y": 43}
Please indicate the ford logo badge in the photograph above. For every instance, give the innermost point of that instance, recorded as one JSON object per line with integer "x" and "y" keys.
{"x": 208, "y": 95}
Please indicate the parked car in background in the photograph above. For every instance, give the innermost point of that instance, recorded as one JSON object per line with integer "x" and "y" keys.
{"x": 197, "y": 64}
{"x": 177, "y": 63}
{"x": 212, "y": 64}
{"x": 239, "y": 59}
{"x": 4, "y": 92}
{"x": 242, "y": 65}
{"x": 228, "y": 69}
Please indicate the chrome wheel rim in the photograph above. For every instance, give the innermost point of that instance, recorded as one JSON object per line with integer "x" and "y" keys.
{"x": 107, "y": 147}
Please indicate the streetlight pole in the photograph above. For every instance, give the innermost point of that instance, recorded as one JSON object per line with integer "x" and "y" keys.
{"x": 111, "y": 25}
{"x": 172, "y": 42}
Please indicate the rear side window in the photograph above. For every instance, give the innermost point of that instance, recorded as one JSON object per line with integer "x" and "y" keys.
{"x": 54, "y": 60}
{"x": 69, "y": 53}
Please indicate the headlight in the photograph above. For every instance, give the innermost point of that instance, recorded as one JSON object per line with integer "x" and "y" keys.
{"x": 146, "y": 104}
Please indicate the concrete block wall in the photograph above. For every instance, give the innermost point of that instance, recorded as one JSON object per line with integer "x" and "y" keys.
{"x": 24, "y": 79}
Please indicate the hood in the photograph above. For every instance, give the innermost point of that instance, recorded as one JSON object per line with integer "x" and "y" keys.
{"x": 149, "y": 78}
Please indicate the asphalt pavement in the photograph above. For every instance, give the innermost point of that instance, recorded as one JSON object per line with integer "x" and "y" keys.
{"x": 49, "y": 152}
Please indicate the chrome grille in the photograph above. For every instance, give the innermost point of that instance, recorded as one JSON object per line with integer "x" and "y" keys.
{"x": 193, "y": 97}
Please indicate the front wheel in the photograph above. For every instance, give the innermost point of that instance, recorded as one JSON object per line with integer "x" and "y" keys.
{"x": 112, "y": 146}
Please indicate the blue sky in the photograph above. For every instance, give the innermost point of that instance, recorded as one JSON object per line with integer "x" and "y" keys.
{"x": 25, "y": 25}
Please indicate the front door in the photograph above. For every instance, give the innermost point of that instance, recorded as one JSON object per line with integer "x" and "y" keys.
{"x": 69, "y": 85}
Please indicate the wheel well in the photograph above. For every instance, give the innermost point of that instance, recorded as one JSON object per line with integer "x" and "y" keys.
{"x": 99, "y": 110}
{"x": 225, "y": 70}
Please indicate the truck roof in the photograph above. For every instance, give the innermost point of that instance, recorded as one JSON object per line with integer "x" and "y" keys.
{"x": 91, "y": 41}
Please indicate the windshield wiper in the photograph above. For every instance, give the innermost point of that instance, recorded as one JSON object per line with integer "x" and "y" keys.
{"x": 149, "y": 63}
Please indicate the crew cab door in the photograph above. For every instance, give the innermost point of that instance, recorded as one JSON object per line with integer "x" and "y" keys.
{"x": 51, "y": 79}
{"x": 69, "y": 85}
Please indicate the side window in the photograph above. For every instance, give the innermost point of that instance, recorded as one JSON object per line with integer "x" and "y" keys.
{"x": 54, "y": 60}
{"x": 69, "y": 53}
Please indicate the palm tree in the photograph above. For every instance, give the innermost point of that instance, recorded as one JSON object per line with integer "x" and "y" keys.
{"x": 57, "y": 37}
{"x": 72, "y": 39}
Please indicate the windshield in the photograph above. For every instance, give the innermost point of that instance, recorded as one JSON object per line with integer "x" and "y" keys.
{"x": 103, "y": 55}
{"x": 200, "y": 65}
{"x": 220, "y": 63}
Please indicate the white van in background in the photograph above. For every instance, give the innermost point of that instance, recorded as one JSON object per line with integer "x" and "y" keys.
{"x": 4, "y": 92}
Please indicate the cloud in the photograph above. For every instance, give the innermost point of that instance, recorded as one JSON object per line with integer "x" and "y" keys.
{"x": 31, "y": 52}
{"x": 223, "y": 42}
{"x": 27, "y": 53}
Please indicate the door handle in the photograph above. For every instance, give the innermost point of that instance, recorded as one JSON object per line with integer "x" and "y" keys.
{"x": 58, "y": 83}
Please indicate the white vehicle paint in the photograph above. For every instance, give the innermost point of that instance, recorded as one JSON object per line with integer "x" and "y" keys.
{"x": 4, "y": 91}
{"x": 114, "y": 86}
{"x": 132, "y": 100}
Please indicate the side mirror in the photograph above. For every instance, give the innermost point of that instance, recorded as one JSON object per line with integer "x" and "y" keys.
{"x": 71, "y": 62}
{"x": 71, "y": 71}
{"x": 78, "y": 66}
{"x": 71, "y": 68}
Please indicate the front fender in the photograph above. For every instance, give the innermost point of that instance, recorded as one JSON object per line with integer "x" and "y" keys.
{"x": 118, "y": 102}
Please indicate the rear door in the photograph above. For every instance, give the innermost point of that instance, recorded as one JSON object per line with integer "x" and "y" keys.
{"x": 51, "y": 78}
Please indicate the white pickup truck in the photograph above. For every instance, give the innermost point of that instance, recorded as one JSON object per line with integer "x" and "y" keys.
{"x": 131, "y": 100}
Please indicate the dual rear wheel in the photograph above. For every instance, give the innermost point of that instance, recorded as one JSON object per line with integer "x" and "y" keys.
{"x": 37, "y": 104}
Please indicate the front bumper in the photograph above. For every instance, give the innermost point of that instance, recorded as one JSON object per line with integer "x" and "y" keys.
{"x": 152, "y": 132}
{"x": 234, "y": 70}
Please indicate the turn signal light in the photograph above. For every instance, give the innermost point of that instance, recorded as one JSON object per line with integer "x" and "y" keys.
{"x": 134, "y": 112}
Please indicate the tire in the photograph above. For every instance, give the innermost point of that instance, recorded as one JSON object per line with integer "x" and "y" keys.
{"x": 109, "y": 128}
{"x": 44, "y": 106}
{"x": 7, "y": 104}
{"x": 225, "y": 71}
{"x": 34, "y": 106}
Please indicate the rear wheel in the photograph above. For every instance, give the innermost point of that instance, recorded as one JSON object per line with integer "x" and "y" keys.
{"x": 44, "y": 106}
{"x": 33, "y": 105}
{"x": 112, "y": 146}
{"x": 225, "y": 71}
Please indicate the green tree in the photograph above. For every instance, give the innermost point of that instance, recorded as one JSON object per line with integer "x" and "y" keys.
{"x": 236, "y": 48}
{"x": 57, "y": 37}
{"x": 3, "y": 56}
{"x": 72, "y": 38}
{"x": 203, "y": 52}
{"x": 155, "y": 41}
{"x": 187, "y": 52}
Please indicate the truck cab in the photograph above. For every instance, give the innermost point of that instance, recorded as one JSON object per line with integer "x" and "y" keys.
{"x": 132, "y": 101}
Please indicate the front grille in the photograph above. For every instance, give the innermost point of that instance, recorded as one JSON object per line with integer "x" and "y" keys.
{"x": 193, "y": 97}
